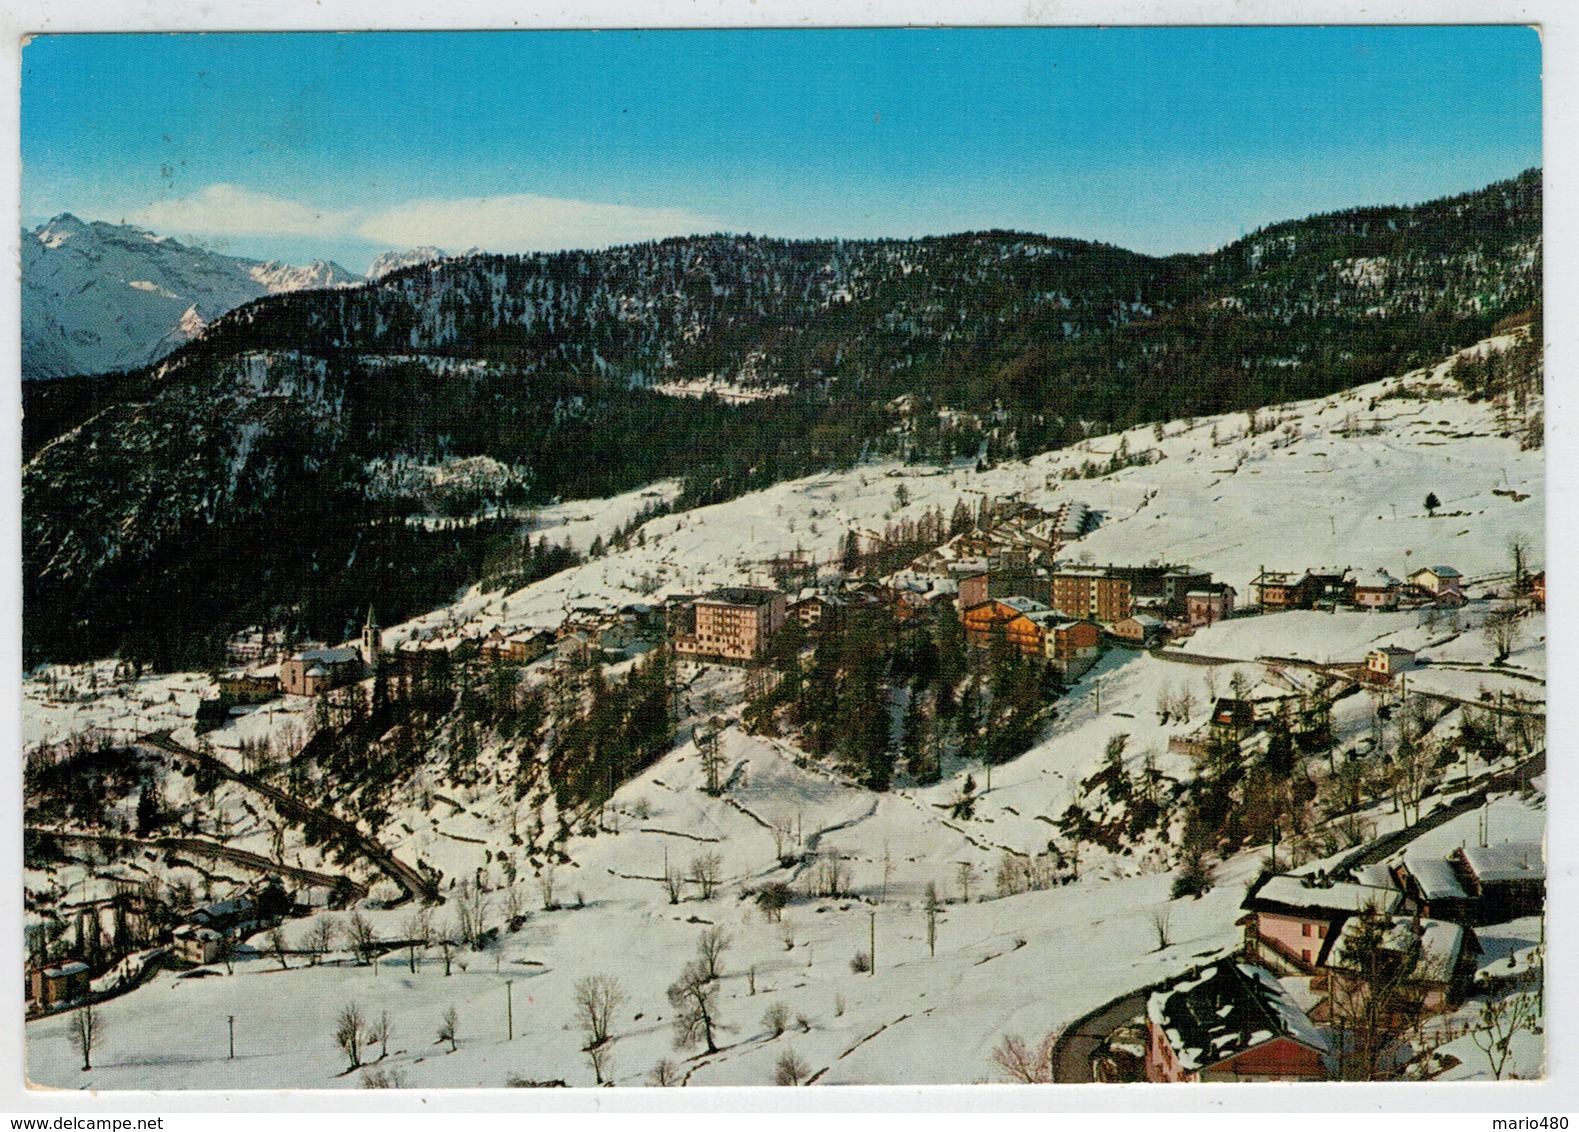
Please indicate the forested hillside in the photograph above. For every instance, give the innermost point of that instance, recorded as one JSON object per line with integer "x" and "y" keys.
{"x": 234, "y": 475}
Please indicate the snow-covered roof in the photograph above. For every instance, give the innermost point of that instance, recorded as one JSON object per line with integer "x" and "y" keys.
{"x": 1023, "y": 604}
{"x": 317, "y": 670}
{"x": 1375, "y": 876}
{"x": 1510, "y": 861}
{"x": 1435, "y": 878}
{"x": 64, "y": 970}
{"x": 1375, "y": 580}
{"x": 1218, "y": 1012}
{"x": 1394, "y": 650}
{"x": 1147, "y": 620}
{"x": 1437, "y": 942}
{"x": 1293, "y": 894}
{"x": 329, "y": 656}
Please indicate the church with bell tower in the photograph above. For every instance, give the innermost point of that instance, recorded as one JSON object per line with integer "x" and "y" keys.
{"x": 372, "y": 640}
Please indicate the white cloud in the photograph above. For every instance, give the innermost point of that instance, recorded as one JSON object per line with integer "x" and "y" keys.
{"x": 512, "y": 223}
{"x": 232, "y": 210}
{"x": 525, "y": 223}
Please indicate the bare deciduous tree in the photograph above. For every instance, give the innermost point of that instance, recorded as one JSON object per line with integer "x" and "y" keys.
{"x": 278, "y": 947}
{"x": 546, "y": 879}
{"x": 664, "y": 1075}
{"x": 449, "y": 1027}
{"x": 695, "y": 999}
{"x": 1023, "y": 1064}
{"x": 379, "y": 1032}
{"x": 419, "y": 931}
{"x": 790, "y": 1069}
{"x": 383, "y": 1079}
{"x": 1500, "y": 1020}
{"x": 363, "y": 938}
{"x": 1160, "y": 921}
{"x": 783, "y": 837}
{"x": 776, "y": 1019}
{"x": 705, "y": 872}
{"x": 597, "y": 998}
{"x": 471, "y": 910}
{"x": 710, "y": 947}
{"x": 349, "y": 1033}
{"x": 965, "y": 875}
{"x": 320, "y": 938}
{"x": 674, "y": 883}
{"x": 1502, "y": 629}
{"x": 85, "y": 1029}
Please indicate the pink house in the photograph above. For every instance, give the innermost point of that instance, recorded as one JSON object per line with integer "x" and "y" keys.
{"x": 1207, "y": 605}
{"x": 1288, "y": 918}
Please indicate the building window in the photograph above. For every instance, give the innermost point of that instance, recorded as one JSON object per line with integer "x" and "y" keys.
{"x": 1304, "y": 929}
{"x": 1306, "y": 954}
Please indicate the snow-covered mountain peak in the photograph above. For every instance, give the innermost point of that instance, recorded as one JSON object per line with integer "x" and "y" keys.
{"x": 99, "y": 297}
{"x": 394, "y": 261}
{"x": 317, "y": 275}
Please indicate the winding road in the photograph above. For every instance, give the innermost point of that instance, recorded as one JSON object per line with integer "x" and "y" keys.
{"x": 413, "y": 883}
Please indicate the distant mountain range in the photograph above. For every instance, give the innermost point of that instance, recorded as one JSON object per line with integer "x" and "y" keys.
{"x": 235, "y": 472}
{"x": 100, "y": 297}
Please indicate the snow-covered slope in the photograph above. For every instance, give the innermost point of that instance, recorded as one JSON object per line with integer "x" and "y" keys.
{"x": 1338, "y": 481}
{"x": 98, "y": 297}
{"x": 1309, "y": 484}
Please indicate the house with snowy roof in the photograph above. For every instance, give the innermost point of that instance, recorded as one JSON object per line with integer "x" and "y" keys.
{"x": 1317, "y": 586}
{"x": 1426, "y": 964}
{"x": 1377, "y": 589}
{"x": 1231, "y": 1021}
{"x": 51, "y": 986}
{"x": 1210, "y": 603}
{"x": 1506, "y": 880}
{"x": 197, "y": 945}
{"x": 1140, "y": 629}
{"x": 1434, "y": 885}
{"x": 1384, "y": 663}
{"x": 1441, "y": 582}
{"x": 1288, "y": 918}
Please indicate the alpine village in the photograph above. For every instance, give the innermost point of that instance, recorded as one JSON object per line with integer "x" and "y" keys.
{"x": 736, "y": 661}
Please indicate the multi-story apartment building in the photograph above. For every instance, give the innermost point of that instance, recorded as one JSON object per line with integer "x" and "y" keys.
{"x": 733, "y": 623}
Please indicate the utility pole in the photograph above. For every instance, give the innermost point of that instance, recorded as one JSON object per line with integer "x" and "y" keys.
{"x": 509, "y": 1014}
{"x": 231, "y": 1019}
{"x": 932, "y": 930}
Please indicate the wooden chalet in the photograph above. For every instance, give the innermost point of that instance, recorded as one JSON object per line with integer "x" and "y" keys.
{"x": 54, "y": 985}
{"x": 1507, "y": 880}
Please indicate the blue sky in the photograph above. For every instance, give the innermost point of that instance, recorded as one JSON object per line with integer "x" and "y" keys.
{"x": 1161, "y": 139}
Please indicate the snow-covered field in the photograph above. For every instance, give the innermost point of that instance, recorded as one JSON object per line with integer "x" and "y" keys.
{"x": 1307, "y": 489}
